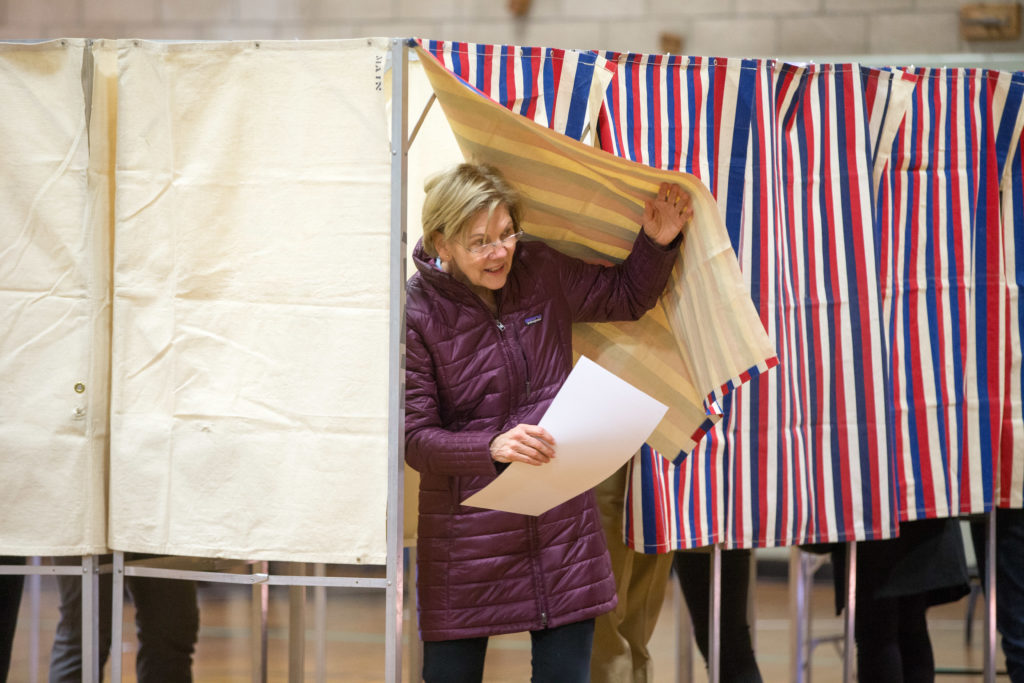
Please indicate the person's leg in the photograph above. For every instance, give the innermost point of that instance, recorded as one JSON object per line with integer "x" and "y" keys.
{"x": 562, "y": 654}
{"x": 692, "y": 569}
{"x": 620, "y": 637}
{"x": 737, "y": 663}
{"x": 10, "y": 603}
{"x": 876, "y": 631}
{"x": 916, "y": 655}
{"x": 645, "y": 596}
{"x": 1010, "y": 589}
{"x": 167, "y": 623}
{"x": 454, "y": 661}
{"x": 66, "y": 653}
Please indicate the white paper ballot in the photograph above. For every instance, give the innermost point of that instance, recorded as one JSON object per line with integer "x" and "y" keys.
{"x": 598, "y": 422}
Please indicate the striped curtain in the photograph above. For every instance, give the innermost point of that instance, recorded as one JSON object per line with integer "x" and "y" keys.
{"x": 547, "y": 85}
{"x": 589, "y": 204}
{"x": 1010, "y": 464}
{"x": 801, "y": 455}
{"x": 815, "y": 170}
{"x": 693, "y": 115}
{"x": 944, "y": 305}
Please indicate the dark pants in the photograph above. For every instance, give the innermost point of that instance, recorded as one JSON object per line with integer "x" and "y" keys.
{"x": 560, "y": 655}
{"x": 1009, "y": 583}
{"x": 892, "y": 639}
{"x": 166, "y": 621}
{"x": 736, "y": 663}
{"x": 10, "y": 602}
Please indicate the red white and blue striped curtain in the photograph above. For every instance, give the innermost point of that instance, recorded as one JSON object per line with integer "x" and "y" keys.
{"x": 1010, "y": 460}
{"x": 817, "y": 171}
{"x": 692, "y": 115}
{"x": 547, "y": 85}
{"x": 801, "y": 454}
{"x": 942, "y": 282}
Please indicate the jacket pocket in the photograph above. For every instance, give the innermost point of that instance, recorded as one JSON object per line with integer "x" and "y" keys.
{"x": 455, "y": 492}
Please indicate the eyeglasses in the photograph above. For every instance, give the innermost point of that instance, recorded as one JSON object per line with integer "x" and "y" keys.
{"x": 487, "y": 248}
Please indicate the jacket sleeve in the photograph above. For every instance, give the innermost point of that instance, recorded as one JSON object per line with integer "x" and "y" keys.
{"x": 625, "y": 291}
{"x": 428, "y": 446}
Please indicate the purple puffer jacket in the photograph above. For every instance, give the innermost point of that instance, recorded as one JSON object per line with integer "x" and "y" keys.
{"x": 470, "y": 375}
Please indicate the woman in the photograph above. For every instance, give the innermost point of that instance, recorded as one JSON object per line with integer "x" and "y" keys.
{"x": 488, "y": 346}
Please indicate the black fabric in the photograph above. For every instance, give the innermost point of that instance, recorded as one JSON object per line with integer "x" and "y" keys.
{"x": 1009, "y": 583}
{"x": 892, "y": 640}
{"x": 927, "y": 557}
{"x": 454, "y": 661}
{"x": 737, "y": 663}
{"x": 166, "y": 623}
{"x": 10, "y": 601}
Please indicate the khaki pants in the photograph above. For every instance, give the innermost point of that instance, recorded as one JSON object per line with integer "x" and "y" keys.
{"x": 620, "y": 652}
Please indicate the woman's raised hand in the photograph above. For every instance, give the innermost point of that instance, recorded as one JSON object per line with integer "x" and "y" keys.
{"x": 523, "y": 443}
{"x": 667, "y": 214}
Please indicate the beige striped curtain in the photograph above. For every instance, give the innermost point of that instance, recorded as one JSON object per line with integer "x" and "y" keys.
{"x": 704, "y": 337}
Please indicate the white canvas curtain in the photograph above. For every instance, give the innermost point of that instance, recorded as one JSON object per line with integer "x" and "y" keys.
{"x": 250, "y": 382}
{"x": 54, "y": 307}
{"x": 234, "y": 290}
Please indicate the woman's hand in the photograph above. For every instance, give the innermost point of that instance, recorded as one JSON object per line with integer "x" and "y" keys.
{"x": 667, "y": 214}
{"x": 523, "y": 443}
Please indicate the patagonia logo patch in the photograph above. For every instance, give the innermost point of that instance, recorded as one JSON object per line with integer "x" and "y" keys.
{"x": 534, "y": 319}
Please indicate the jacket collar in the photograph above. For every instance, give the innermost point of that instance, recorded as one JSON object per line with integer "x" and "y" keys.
{"x": 448, "y": 285}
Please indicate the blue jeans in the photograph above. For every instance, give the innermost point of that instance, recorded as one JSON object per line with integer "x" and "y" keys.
{"x": 560, "y": 655}
{"x": 1009, "y": 584}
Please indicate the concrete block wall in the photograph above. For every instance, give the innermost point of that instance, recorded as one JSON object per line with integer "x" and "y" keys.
{"x": 789, "y": 28}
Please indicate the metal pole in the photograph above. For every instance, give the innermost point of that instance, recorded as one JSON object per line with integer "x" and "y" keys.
{"x": 798, "y": 615}
{"x": 415, "y": 646}
{"x": 90, "y": 620}
{"x": 320, "y": 624}
{"x": 396, "y": 395}
{"x": 684, "y": 637}
{"x": 34, "y": 601}
{"x": 258, "y": 623}
{"x": 297, "y": 626}
{"x": 714, "y": 612}
{"x": 849, "y": 648}
{"x": 117, "y": 618}
{"x": 990, "y": 598}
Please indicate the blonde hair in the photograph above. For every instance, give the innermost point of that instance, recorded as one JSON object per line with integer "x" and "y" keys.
{"x": 457, "y": 195}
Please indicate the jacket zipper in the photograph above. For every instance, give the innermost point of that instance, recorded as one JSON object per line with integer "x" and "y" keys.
{"x": 538, "y": 574}
{"x": 526, "y": 367}
{"x": 532, "y": 523}
{"x": 522, "y": 354}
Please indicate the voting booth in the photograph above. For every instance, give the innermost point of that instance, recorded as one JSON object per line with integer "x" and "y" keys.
{"x": 203, "y": 254}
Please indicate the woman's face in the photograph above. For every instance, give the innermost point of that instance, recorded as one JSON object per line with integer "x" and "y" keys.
{"x": 482, "y": 255}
